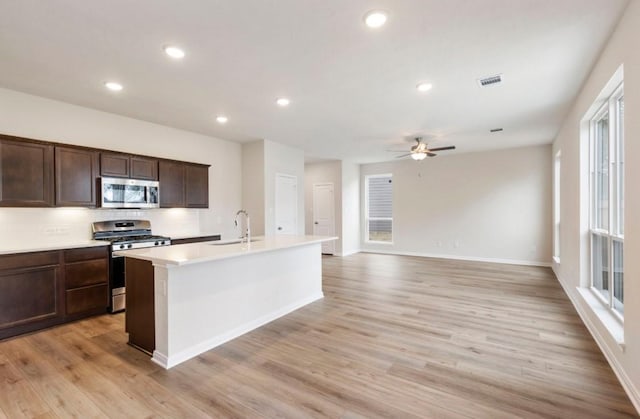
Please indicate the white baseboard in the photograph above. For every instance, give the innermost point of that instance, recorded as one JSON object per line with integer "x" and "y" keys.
{"x": 618, "y": 370}
{"x": 350, "y": 252}
{"x": 168, "y": 362}
{"x": 457, "y": 257}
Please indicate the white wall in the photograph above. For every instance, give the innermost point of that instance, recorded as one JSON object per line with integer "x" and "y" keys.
{"x": 572, "y": 271}
{"x": 262, "y": 160}
{"x": 253, "y": 185}
{"x": 39, "y": 118}
{"x": 487, "y": 206}
{"x": 350, "y": 208}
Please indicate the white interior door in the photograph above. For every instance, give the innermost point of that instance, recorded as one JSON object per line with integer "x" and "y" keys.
{"x": 286, "y": 204}
{"x": 324, "y": 214}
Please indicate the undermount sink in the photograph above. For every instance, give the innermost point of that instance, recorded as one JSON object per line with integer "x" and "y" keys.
{"x": 226, "y": 242}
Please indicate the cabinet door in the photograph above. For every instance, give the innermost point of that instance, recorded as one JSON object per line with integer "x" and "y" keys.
{"x": 197, "y": 186}
{"x": 31, "y": 292}
{"x": 144, "y": 168}
{"x": 114, "y": 165}
{"x": 26, "y": 174}
{"x": 171, "y": 175}
{"x": 76, "y": 174}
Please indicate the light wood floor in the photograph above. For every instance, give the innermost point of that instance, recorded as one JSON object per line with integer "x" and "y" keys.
{"x": 395, "y": 336}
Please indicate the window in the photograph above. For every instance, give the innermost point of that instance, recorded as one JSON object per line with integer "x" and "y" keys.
{"x": 556, "y": 208}
{"x": 606, "y": 132}
{"x": 379, "y": 208}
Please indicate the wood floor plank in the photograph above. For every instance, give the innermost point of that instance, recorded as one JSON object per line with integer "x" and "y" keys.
{"x": 395, "y": 336}
{"x": 17, "y": 397}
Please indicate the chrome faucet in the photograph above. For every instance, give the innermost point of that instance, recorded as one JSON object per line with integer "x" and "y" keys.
{"x": 246, "y": 214}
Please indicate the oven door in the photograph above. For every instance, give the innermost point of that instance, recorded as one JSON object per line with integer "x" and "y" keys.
{"x": 117, "y": 285}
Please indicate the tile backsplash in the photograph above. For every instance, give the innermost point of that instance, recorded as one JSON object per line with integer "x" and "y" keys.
{"x": 25, "y": 226}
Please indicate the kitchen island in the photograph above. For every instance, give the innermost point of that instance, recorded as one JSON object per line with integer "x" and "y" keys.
{"x": 193, "y": 297}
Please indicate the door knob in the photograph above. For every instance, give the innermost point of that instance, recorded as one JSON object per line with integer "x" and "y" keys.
{"x": 315, "y": 222}
{"x": 279, "y": 228}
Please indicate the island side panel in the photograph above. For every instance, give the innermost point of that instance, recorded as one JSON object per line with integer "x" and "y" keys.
{"x": 160, "y": 277}
{"x": 139, "y": 317}
{"x": 210, "y": 303}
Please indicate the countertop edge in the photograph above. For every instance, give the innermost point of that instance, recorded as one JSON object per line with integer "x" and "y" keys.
{"x": 241, "y": 250}
{"x": 53, "y": 247}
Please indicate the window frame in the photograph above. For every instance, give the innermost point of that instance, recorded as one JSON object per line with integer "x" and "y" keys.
{"x": 614, "y": 231}
{"x": 557, "y": 170}
{"x": 366, "y": 209}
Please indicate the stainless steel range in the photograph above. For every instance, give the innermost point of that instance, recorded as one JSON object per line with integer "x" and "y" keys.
{"x": 124, "y": 235}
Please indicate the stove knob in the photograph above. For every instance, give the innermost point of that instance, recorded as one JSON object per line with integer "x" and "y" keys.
{"x": 162, "y": 242}
{"x": 156, "y": 243}
{"x": 129, "y": 246}
{"x": 122, "y": 246}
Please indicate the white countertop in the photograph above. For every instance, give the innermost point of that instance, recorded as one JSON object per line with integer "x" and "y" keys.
{"x": 44, "y": 247}
{"x": 184, "y": 254}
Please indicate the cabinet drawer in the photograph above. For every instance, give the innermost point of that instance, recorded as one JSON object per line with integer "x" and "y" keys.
{"x": 26, "y": 260}
{"x": 88, "y": 298}
{"x": 89, "y": 272}
{"x": 86, "y": 253}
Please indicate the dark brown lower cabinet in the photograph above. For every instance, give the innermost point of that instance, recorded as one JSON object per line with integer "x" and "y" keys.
{"x": 140, "y": 319}
{"x": 42, "y": 289}
{"x": 86, "y": 280}
{"x": 200, "y": 239}
{"x": 31, "y": 292}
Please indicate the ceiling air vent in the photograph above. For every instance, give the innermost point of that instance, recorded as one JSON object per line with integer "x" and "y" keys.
{"x": 490, "y": 81}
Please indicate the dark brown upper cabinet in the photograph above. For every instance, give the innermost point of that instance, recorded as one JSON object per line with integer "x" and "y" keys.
{"x": 26, "y": 173}
{"x": 44, "y": 174}
{"x": 127, "y": 166}
{"x": 144, "y": 168}
{"x": 76, "y": 172}
{"x": 183, "y": 185}
{"x": 114, "y": 165}
{"x": 171, "y": 175}
{"x": 196, "y": 186}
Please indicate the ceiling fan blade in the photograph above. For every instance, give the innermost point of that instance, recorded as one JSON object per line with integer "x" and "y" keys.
{"x": 430, "y": 154}
{"x": 404, "y": 155}
{"x": 451, "y": 147}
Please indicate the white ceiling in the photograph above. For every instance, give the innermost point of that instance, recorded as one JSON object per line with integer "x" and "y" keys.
{"x": 352, "y": 89}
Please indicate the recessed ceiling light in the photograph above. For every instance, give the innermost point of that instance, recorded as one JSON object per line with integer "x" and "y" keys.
{"x": 424, "y": 87}
{"x": 222, "y": 119}
{"x": 113, "y": 86}
{"x": 375, "y": 18}
{"x": 174, "y": 52}
{"x": 283, "y": 101}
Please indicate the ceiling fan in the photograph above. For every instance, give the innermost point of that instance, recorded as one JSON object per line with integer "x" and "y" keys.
{"x": 421, "y": 150}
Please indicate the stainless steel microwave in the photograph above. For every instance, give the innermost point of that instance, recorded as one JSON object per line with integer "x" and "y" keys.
{"x": 129, "y": 193}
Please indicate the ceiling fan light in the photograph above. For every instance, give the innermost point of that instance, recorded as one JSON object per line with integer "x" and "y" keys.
{"x": 419, "y": 156}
